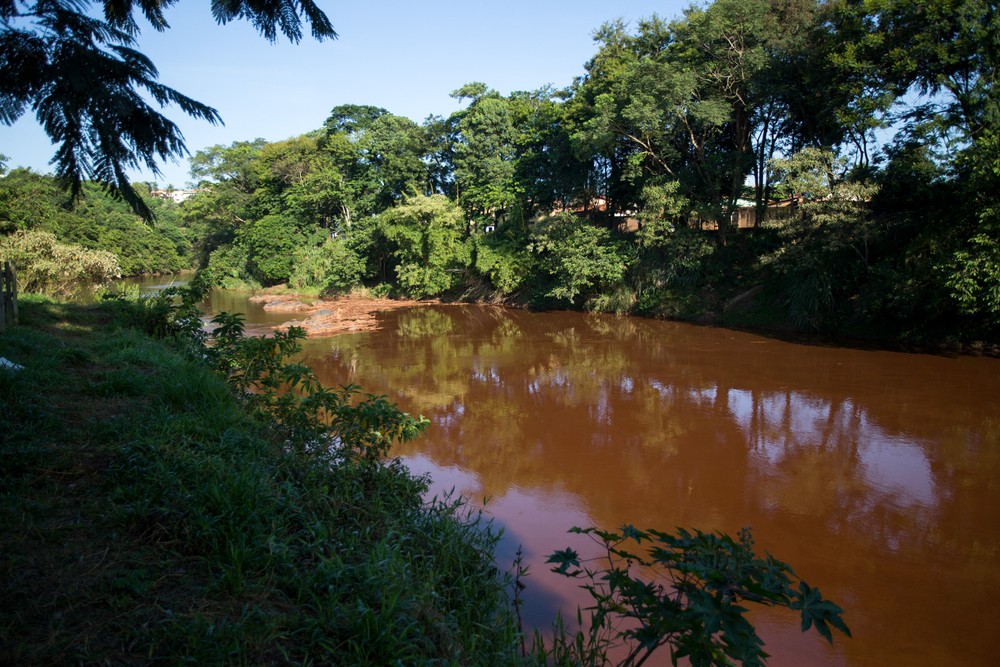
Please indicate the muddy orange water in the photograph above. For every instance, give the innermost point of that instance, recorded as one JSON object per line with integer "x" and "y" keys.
{"x": 875, "y": 474}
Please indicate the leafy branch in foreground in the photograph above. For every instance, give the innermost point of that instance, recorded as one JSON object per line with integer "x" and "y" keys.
{"x": 314, "y": 417}
{"x": 686, "y": 592}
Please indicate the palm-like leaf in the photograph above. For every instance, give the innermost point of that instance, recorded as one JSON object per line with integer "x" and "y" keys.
{"x": 91, "y": 90}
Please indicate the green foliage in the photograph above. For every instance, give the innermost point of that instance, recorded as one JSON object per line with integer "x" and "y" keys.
{"x": 673, "y": 122}
{"x": 813, "y": 172}
{"x": 830, "y": 246}
{"x": 675, "y": 265}
{"x": 46, "y": 266}
{"x": 270, "y": 243}
{"x": 229, "y": 267}
{"x": 366, "y": 238}
{"x": 973, "y": 271}
{"x": 311, "y": 416}
{"x": 680, "y": 258}
{"x": 504, "y": 262}
{"x": 578, "y": 257}
{"x": 974, "y": 278}
{"x": 671, "y": 255}
{"x": 430, "y": 249}
{"x": 233, "y": 165}
{"x": 692, "y": 101}
{"x": 172, "y": 313}
{"x": 97, "y": 221}
{"x": 189, "y": 531}
{"x": 379, "y": 156}
{"x": 663, "y": 207}
{"x": 29, "y": 200}
{"x": 332, "y": 267}
{"x": 57, "y": 50}
{"x": 945, "y": 49}
{"x": 100, "y": 222}
{"x": 484, "y": 158}
{"x": 686, "y": 591}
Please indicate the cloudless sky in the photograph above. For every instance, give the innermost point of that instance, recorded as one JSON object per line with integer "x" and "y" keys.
{"x": 404, "y": 56}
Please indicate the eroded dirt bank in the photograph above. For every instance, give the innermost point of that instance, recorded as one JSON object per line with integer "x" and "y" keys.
{"x": 326, "y": 317}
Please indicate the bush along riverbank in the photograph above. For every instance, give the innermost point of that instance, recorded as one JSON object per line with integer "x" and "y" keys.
{"x": 166, "y": 497}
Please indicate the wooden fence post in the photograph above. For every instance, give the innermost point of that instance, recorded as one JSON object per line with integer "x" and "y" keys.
{"x": 8, "y": 295}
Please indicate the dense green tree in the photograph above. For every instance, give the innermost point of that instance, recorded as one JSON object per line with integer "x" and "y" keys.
{"x": 228, "y": 177}
{"x": 578, "y": 258}
{"x": 283, "y": 171}
{"x": 503, "y": 260}
{"x": 331, "y": 267}
{"x": 229, "y": 266}
{"x": 485, "y": 154}
{"x": 692, "y": 101}
{"x": 835, "y": 95}
{"x": 948, "y": 49}
{"x": 380, "y": 155}
{"x": 442, "y": 135}
{"x": 672, "y": 123}
{"x": 591, "y": 121}
{"x": 29, "y": 200}
{"x": 271, "y": 243}
{"x": 549, "y": 170}
{"x": 323, "y": 196}
{"x": 430, "y": 250}
{"x": 101, "y": 222}
{"x": 366, "y": 238}
{"x": 231, "y": 174}
{"x": 938, "y": 62}
{"x": 98, "y": 221}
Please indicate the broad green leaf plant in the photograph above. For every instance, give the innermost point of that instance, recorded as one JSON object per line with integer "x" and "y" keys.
{"x": 684, "y": 591}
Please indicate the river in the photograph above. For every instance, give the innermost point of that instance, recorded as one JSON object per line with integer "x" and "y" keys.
{"x": 875, "y": 474}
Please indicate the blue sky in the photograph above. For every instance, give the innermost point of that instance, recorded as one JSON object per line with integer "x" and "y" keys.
{"x": 404, "y": 56}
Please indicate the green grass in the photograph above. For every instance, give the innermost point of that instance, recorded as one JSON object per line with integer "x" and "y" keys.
{"x": 146, "y": 518}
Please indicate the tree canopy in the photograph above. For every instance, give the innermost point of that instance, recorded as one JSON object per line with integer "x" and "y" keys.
{"x": 650, "y": 183}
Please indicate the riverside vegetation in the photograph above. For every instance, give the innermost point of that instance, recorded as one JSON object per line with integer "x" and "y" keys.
{"x": 173, "y": 495}
{"x": 876, "y": 122}
{"x": 165, "y": 499}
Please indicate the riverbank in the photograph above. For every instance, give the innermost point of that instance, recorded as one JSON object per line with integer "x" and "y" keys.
{"x": 357, "y": 311}
{"x": 327, "y": 317}
{"x": 147, "y": 517}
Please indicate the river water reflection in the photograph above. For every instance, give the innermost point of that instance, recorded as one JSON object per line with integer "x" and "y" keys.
{"x": 875, "y": 474}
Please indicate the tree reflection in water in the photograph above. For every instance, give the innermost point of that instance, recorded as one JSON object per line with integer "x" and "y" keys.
{"x": 872, "y": 473}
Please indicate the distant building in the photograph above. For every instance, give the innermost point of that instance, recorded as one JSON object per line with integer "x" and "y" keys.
{"x": 745, "y": 215}
{"x": 177, "y": 196}
{"x": 596, "y": 210}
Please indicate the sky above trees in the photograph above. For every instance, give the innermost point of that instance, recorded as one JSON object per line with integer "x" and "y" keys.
{"x": 404, "y": 57}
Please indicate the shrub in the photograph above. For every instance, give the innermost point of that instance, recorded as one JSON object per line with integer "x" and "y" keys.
{"x": 430, "y": 251}
{"x": 332, "y": 267}
{"x": 578, "y": 257}
{"x": 271, "y": 243}
{"x": 48, "y": 267}
{"x": 228, "y": 267}
{"x": 503, "y": 262}
{"x": 686, "y": 592}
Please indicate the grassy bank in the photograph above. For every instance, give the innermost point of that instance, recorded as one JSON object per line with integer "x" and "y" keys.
{"x": 147, "y": 517}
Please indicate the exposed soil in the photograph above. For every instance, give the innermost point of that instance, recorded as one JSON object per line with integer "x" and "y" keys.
{"x": 331, "y": 316}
